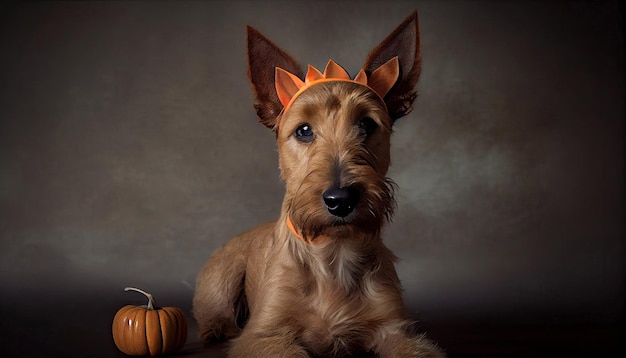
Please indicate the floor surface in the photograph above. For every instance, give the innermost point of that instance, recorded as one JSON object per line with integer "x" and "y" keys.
{"x": 69, "y": 330}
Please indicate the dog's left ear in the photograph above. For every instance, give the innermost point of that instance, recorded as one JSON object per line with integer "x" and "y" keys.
{"x": 403, "y": 42}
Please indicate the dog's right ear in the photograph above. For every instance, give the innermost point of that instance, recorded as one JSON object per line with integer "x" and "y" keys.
{"x": 263, "y": 58}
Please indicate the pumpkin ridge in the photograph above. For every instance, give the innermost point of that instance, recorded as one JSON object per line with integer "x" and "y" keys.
{"x": 166, "y": 323}
{"x": 181, "y": 336}
{"x": 153, "y": 332}
{"x": 120, "y": 325}
{"x": 138, "y": 325}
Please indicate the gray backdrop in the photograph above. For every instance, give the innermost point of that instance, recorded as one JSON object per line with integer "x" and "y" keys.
{"x": 130, "y": 151}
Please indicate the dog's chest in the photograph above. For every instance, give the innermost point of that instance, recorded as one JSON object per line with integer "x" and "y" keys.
{"x": 341, "y": 300}
{"x": 336, "y": 320}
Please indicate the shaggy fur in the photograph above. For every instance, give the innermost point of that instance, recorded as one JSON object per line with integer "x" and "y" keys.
{"x": 276, "y": 295}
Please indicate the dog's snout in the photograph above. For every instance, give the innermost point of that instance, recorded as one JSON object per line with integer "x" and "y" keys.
{"x": 341, "y": 201}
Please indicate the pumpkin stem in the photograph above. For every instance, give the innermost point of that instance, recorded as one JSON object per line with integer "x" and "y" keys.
{"x": 150, "y": 298}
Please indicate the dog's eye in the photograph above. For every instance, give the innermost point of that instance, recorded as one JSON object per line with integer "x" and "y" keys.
{"x": 304, "y": 133}
{"x": 367, "y": 126}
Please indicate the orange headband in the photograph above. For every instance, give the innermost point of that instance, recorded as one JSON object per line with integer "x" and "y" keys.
{"x": 289, "y": 86}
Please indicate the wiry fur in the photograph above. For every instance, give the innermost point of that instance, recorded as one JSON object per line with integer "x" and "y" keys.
{"x": 278, "y": 296}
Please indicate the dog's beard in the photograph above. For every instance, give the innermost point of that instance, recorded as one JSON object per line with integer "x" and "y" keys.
{"x": 376, "y": 206}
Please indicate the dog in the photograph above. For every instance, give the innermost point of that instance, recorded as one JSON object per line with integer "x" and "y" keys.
{"x": 319, "y": 282}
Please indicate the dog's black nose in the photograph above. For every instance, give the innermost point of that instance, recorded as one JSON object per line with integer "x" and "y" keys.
{"x": 341, "y": 201}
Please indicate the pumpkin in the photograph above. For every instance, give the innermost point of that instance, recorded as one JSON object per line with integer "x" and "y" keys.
{"x": 149, "y": 330}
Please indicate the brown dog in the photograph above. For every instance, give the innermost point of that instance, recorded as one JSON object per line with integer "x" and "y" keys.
{"x": 320, "y": 281}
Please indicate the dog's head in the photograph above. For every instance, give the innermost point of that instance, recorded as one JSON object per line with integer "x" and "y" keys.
{"x": 333, "y": 131}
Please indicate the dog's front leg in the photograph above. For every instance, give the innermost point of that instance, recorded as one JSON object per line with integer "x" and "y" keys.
{"x": 397, "y": 342}
{"x": 219, "y": 300}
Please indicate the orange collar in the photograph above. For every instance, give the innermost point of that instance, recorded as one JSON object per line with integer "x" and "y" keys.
{"x": 295, "y": 232}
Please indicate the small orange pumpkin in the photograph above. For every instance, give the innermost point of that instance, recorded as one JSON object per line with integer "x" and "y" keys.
{"x": 149, "y": 330}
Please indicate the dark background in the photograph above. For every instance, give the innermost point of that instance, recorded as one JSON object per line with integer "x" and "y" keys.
{"x": 129, "y": 152}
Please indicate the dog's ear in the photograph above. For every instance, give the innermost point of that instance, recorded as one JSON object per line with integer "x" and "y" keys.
{"x": 263, "y": 58}
{"x": 403, "y": 42}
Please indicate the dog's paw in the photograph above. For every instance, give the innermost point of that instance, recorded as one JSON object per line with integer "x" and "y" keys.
{"x": 401, "y": 345}
{"x": 217, "y": 330}
{"x": 251, "y": 346}
{"x": 425, "y": 348}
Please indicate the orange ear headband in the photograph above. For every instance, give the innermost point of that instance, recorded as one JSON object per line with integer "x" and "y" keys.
{"x": 289, "y": 86}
